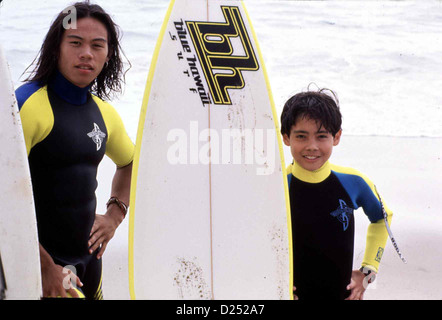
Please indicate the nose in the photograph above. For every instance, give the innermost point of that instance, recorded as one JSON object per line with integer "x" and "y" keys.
{"x": 312, "y": 145}
{"x": 86, "y": 53}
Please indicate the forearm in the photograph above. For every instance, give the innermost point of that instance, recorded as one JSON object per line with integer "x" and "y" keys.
{"x": 121, "y": 183}
{"x": 377, "y": 236}
{"x": 105, "y": 226}
{"x": 120, "y": 190}
{"x": 46, "y": 260}
{"x": 53, "y": 276}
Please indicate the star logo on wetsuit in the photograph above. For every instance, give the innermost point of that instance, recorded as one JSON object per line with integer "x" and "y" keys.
{"x": 97, "y": 136}
{"x": 342, "y": 212}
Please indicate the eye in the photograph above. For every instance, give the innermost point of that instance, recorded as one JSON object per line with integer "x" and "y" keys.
{"x": 75, "y": 43}
{"x": 300, "y": 136}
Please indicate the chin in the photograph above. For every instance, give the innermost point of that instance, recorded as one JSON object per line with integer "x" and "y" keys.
{"x": 312, "y": 166}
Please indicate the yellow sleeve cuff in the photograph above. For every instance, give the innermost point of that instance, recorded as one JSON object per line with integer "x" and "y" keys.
{"x": 377, "y": 235}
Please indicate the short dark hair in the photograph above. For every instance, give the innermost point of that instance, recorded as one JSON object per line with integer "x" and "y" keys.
{"x": 111, "y": 77}
{"x": 312, "y": 105}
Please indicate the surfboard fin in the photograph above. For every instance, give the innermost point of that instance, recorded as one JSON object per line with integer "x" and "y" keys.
{"x": 3, "y": 286}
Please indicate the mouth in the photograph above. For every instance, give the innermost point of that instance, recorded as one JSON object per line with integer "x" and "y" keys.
{"x": 85, "y": 67}
{"x": 311, "y": 158}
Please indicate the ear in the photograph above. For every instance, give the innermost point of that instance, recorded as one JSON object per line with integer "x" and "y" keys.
{"x": 109, "y": 54}
{"x": 286, "y": 139}
{"x": 337, "y": 138}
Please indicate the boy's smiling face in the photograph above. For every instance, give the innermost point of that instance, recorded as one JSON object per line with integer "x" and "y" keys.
{"x": 311, "y": 144}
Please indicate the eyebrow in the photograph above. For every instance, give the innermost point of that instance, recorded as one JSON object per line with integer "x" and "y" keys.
{"x": 80, "y": 38}
{"x": 299, "y": 131}
{"x": 303, "y": 131}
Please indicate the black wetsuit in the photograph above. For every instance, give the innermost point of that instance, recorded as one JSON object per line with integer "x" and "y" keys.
{"x": 67, "y": 131}
{"x": 322, "y": 209}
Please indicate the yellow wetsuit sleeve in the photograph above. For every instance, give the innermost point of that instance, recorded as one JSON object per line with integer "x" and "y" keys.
{"x": 377, "y": 236}
{"x": 119, "y": 146}
{"x": 37, "y": 118}
{"x": 364, "y": 193}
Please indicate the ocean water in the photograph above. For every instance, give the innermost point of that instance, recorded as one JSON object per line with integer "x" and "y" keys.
{"x": 382, "y": 58}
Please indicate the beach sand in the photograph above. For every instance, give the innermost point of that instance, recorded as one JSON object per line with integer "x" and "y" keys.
{"x": 374, "y": 54}
{"x": 407, "y": 173}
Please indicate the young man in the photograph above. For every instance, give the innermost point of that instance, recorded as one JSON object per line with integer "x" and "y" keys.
{"x": 323, "y": 198}
{"x": 68, "y": 128}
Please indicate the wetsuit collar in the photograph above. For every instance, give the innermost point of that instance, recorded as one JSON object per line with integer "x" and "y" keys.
{"x": 311, "y": 176}
{"x": 68, "y": 91}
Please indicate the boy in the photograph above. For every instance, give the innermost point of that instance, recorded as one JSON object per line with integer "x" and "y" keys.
{"x": 323, "y": 198}
{"x": 68, "y": 128}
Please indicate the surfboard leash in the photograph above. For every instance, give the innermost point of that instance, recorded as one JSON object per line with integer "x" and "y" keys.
{"x": 390, "y": 233}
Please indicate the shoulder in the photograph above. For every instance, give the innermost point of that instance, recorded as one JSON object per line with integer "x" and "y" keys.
{"x": 289, "y": 168}
{"x": 100, "y": 102}
{"x": 33, "y": 102}
{"x": 107, "y": 110}
{"x": 35, "y": 113}
{"x": 350, "y": 173}
{"x": 119, "y": 147}
{"x": 355, "y": 182}
{"x": 361, "y": 190}
{"x": 24, "y": 92}
{"x": 110, "y": 116}
{"x": 289, "y": 171}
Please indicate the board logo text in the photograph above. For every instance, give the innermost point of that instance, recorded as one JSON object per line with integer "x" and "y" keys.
{"x": 221, "y": 61}
{"x": 224, "y": 51}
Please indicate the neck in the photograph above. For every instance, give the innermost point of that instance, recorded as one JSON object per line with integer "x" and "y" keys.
{"x": 311, "y": 176}
{"x": 67, "y": 90}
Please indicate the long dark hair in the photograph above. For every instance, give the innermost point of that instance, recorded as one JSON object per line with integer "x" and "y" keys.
{"x": 110, "y": 80}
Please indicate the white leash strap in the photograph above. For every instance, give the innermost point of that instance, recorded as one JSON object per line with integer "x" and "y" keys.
{"x": 393, "y": 241}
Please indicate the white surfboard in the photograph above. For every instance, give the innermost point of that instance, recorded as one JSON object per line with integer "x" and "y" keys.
{"x": 19, "y": 249}
{"x": 209, "y": 210}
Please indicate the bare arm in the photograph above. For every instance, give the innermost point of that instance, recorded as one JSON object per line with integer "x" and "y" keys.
{"x": 105, "y": 225}
{"x": 56, "y": 280}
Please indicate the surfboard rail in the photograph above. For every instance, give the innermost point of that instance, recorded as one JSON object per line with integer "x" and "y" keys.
{"x": 19, "y": 247}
